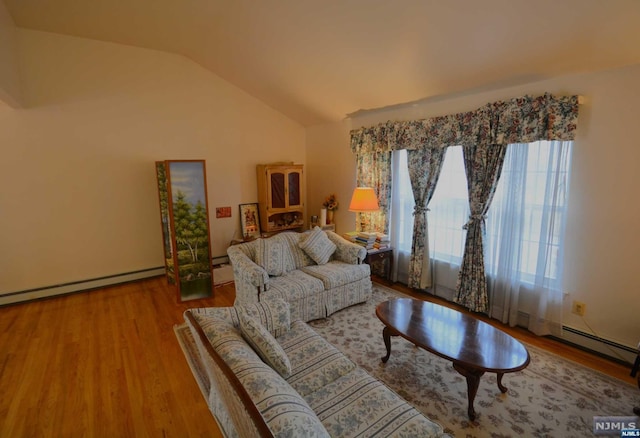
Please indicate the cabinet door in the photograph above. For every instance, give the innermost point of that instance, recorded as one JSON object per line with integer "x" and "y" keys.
{"x": 295, "y": 200}
{"x": 277, "y": 189}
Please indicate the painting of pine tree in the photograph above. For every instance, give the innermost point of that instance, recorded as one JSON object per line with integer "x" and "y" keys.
{"x": 183, "y": 205}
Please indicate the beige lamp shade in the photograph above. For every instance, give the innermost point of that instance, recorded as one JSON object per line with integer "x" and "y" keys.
{"x": 364, "y": 200}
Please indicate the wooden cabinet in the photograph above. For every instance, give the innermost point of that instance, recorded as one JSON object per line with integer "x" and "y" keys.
{"x": 280, "y": 196}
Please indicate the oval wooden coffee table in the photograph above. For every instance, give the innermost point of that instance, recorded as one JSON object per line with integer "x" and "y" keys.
{"x": 473, "y": 346}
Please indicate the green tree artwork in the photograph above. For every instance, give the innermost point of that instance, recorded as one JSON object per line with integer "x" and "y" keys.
{"x": 184, "y": 204}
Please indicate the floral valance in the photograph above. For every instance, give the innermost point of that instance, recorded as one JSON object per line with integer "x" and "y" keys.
{"x": 521, "y": 120}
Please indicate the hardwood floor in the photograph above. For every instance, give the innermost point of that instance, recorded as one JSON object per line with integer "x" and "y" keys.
{"x": 107, "y": 363}
{"x": 101, "y": 363}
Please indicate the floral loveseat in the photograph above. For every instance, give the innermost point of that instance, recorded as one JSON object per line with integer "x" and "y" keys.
{"x": 316, "y": 272}
{"x": 270, "y": 376}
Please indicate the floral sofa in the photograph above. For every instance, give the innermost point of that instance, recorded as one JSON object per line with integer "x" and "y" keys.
{"x": 270, "y": 376}
{"x": 316, "y": 272}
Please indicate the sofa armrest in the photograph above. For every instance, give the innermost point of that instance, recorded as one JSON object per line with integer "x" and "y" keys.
{"x": 346, "y": 251}
{"x": 236, "y": 414}
{"x": 250, "y": 278}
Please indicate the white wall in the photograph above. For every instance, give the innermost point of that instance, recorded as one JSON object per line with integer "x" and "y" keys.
{"x": 10, "y": 92}
{"x": 602, "y": 254}
{"x": 331, "y": 169}
{"x": 78, "y": 198}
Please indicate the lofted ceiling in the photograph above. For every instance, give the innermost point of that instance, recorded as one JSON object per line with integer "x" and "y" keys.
{"x": 317, "y": 61}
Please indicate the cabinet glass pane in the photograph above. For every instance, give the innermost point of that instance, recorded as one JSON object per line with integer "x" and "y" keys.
{"x": 294, "y": 188}
{"x": 277, "y": 190}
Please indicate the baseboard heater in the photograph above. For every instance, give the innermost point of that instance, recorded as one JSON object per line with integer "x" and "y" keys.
{"x": 612, "y": 350}
{"x": 87, "y": 285}
{"x": 615, "y": 351}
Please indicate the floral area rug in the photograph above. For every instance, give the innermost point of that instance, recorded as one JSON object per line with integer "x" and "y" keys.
{"x": 552, "y": 397}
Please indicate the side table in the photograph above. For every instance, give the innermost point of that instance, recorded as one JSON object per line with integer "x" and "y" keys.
{"x": 381, "y": 256}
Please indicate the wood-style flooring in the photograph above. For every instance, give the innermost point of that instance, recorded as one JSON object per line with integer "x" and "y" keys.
{"x": 107, "y": 363}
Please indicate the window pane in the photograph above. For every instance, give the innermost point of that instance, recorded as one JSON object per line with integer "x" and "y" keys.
{"x": 403, "y": 213}
{"x": 528, "y": 209}
{"x": 449, "y": 209}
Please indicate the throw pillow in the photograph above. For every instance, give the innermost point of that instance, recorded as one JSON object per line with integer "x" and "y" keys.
{"x": 273, "y": 314}
{"x": 264, "y": 344}
{"x": 318, "y": 246}
{"x": 273, "y": 256}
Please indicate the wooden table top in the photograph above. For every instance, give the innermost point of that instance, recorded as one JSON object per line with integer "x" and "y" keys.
{"x": 453, "y": 335}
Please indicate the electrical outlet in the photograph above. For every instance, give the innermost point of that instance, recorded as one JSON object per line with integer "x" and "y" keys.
{"x": 578, "y": 308}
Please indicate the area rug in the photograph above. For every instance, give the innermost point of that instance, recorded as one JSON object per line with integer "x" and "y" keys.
{"x": 552, "y": 397}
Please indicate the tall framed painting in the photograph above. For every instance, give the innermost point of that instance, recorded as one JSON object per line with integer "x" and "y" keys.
{"x": 184, "y": 216}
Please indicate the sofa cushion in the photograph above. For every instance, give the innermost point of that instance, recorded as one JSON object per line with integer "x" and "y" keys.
{"x": 274, "y": 314}
{"x": 317, "y": 246}
{"x": 264, "y": 344}
{"x": 291, "y": 240}
{"x": 314, "y": 361}
{"x": 294, "y": 285}
{"x": 359, "y": 405}
{"x": 273, "y": 256}
{"x": 335, "y": 274}
{"x": 304, "y": 293}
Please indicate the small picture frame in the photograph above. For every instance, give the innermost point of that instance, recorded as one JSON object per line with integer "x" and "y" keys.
{"x": 249, "y": 221}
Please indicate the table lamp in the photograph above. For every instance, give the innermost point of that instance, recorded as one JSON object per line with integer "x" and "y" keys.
{"x": 364, "y": 200}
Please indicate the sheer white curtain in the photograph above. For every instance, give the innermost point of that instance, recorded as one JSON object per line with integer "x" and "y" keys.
{"x": 525, "y": 235}
{"x": 401, "y": 217}
{"x": 449, "y": 212}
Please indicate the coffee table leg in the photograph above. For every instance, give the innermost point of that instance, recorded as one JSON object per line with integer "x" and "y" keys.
{"x": 386, "y": 335}
{"x": 473, "y": 382}
{"x": 500, "y": 385}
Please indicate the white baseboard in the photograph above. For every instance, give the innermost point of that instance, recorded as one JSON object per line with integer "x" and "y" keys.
{"x": 222, "y": 274}
{"x": 77, "y": 286}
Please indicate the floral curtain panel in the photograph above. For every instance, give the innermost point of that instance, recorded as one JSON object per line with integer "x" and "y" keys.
{"x": 521, "y": 120}
{"x": 482, "y": 164}
{"x": 374, "y": 170}
{"x": 424, "y": 167}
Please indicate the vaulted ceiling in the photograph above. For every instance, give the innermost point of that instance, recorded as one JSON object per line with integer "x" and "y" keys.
{"x": 318, "y": 60}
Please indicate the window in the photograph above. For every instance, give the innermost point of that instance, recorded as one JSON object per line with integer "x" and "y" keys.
{"x": 449, "y": 209}
{"x": 527, "y": 216}
{"x": 525, "y": 222}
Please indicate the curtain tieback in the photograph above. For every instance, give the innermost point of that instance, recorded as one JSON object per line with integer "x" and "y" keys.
{"x": 474, "y": 218}
{"x": 418, "y": 209}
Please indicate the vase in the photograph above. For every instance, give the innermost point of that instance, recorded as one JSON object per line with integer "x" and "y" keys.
{"x": 329, "y": 217}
